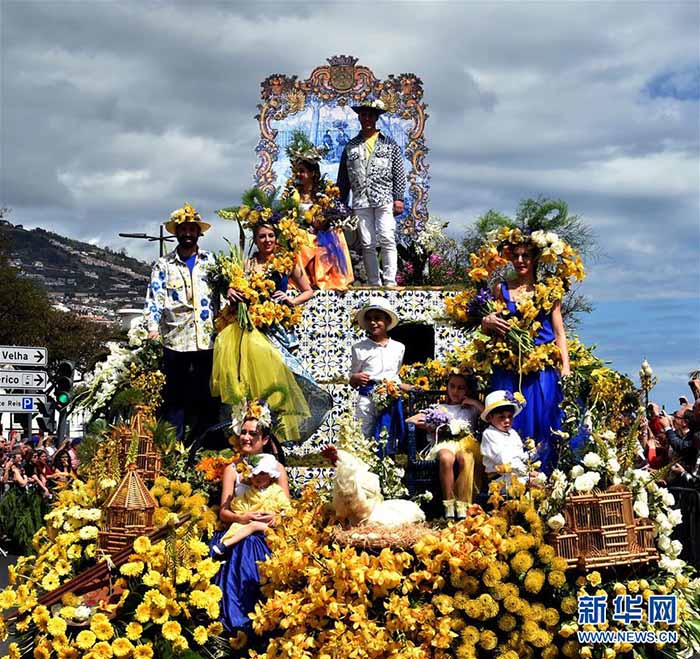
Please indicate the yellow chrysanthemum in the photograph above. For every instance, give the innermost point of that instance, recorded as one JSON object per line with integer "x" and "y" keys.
{"x": 171, "y": 630}
{"x": 122, "y": 647}
{"x": 100, "y": 625}
{"x": 143, "y": 652}
{"x": 134, "y": 631}
{"x": 200, "y": 635}
{"x": 57, "y": 626}
{"x": 85, "y": 639}
{"x": 102, "y": 650}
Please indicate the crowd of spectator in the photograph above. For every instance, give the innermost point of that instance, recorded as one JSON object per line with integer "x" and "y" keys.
{"x": 670, "y": 445}
{"x": 32, "y": 469}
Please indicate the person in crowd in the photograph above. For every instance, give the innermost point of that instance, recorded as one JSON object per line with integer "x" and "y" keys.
{"x": 372, "y": 168}
{"x": 325, "y": 259}
{"x": 502, "y": 448}
{"x": 63, "y": 471}
{"x": 263, "y": 494}
{"x": 653, "y": 438}
{"x": 542, "y": 417}
{"x": 457, "y": 456}
{"x": 375, "y": 359}
{"x": 180, "y": 310}
{"x": 239, "y": 578}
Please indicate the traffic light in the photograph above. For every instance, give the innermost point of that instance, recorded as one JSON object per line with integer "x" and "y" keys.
{"x": 63, "y": 383}
{"x": 47, "y": 419}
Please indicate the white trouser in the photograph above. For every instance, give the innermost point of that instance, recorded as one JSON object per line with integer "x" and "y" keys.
{"x": 378, "y": 226}
{"x": 365, "y": 414}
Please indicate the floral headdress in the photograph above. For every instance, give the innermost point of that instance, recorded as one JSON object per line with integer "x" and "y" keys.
{"x": 301, "y": 149}
{"x": 185, "y": 214}
{"x": 257, "y": 410}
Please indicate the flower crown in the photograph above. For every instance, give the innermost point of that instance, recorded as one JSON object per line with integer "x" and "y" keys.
{"x": 258, "y": 410}
{"x": 185, "y": 214}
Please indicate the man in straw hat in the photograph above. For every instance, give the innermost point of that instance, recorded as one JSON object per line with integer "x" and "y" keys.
{"x": 372, "y": 167}
{"x": 180, "y": 309}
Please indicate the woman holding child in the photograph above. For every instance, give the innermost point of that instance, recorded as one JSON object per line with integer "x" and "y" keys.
{"x": 249, "y": 505}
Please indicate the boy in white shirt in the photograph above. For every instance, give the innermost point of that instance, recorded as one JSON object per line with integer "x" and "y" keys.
{"x": 502, "y": 449}
{"x": 375, "y": 358}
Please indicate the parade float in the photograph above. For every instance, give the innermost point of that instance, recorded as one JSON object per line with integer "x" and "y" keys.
{"x": 122, "y": 566}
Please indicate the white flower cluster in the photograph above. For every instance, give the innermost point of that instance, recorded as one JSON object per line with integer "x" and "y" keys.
{"x": 548, "y": 242}
{"x": 459, "y": 427}
{"x": 73, "y": 518}
{"x": 103, "y": 382}
{"x": 650, "y": 501}
{"x": 430, "y": 236}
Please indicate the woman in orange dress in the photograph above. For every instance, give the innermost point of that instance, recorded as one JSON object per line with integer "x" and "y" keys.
{"x": 326, "y": 258}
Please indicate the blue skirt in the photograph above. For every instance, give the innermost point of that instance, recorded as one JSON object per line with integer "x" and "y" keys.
{"x": 542, "y": 413}
{"x": 239, "y": 580}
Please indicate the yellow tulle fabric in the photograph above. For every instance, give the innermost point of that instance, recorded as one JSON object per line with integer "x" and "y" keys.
{"x": 248, "y": 366}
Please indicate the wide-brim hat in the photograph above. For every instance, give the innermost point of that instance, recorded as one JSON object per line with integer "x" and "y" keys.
{"x": 370, "y": 104}
{"x": 182, "y": 215}
{"x": 265, "y": 464}
{"x": 381, "y": 304}
{"x": 503, "y": 398}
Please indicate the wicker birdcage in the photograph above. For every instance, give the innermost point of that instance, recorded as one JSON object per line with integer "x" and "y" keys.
{"x": 147, "y": 457}
{"x": 602, "y": 531}
{"x": 127, "y": 514}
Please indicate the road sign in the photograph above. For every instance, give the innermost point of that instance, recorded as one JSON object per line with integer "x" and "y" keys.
{"x": 16, "y": 355}
{"x": 21, "y": 404}
{"x": 23, "y": 380}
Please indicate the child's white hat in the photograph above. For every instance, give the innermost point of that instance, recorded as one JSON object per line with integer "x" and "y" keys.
{"x": 380, "y": 303}
{"x": 503, "y": 398}
{"x": 264, "y": 463}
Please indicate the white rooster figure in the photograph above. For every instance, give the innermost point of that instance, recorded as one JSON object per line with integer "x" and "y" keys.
{"x": 358, "y": 498}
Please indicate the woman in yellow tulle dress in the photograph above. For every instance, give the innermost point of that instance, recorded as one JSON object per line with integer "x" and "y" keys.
{"x": 250, "y": 364}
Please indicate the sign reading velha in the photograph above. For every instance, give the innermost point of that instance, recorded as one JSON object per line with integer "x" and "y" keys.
{"x": 27, "y": 403}
{"x": 21, "y": 356}
{"x": 23, "y": 380}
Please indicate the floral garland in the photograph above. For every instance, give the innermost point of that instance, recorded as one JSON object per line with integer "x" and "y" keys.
{"x": 558, "y": 266}
{"x": 327, "y": 210}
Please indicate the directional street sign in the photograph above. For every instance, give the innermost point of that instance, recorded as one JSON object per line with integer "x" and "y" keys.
{"x": 16, "y": 355}
{"x": 23, "y": 380}
{"x": 18, "y": 403}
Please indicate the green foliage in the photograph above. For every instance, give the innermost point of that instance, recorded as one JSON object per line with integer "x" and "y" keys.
{"x": 21, "y": 516}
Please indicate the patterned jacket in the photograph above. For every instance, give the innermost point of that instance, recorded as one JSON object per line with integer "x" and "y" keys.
{"x": 375, "y": 182}
{"x": 180, "y": 306}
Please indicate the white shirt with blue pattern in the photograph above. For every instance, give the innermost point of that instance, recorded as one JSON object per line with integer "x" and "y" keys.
{"x": 180, "y": 305}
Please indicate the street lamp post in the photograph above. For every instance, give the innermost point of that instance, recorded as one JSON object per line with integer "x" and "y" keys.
{"x": 162, "y": 239}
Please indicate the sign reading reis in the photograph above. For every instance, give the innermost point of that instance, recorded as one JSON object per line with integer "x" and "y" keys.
{"x": 15, "y": 355}
{"x": 23, "y": 380}
{"x": 20, "y": 403}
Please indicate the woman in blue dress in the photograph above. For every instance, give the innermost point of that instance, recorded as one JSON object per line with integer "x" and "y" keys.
{"x": 542, "y": 415}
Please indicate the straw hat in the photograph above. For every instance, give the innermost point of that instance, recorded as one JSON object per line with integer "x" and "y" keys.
{"x": 503, "y": 398}
{"x": 185, "y": 214}
{"x": 381, "y": 304}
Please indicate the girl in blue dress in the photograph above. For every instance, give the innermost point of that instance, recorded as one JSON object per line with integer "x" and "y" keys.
{"x": 541, "y": 389}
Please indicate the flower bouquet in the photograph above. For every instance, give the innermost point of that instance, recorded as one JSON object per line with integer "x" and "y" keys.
{"x": 384, "y": 394}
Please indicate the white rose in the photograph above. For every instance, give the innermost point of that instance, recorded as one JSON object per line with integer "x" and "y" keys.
{"x": 641, "y": 509}
{"x": 664, "y": 543}
{"x": 586, "y": 482}
{"x": 676, "y": 548}
{"x": 556, "y": 522}
{"x": 592, "y": 460}
{"x": 458, "y": 426}
{"x": 609, "y": 435}
{"x": 667, "y": 498}
{"x": 557, "y": 247}
{"x": 613, "y": 465}
{"x": 675, "y": 517}
{"x": 577, "y": 471}
{"x": 672, "y": 565}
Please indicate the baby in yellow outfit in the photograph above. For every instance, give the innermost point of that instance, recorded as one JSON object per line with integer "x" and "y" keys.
{"x": 263, "y": 495}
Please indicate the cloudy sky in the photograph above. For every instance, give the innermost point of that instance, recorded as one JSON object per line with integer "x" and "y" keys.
{"x": 114, "y": 113}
